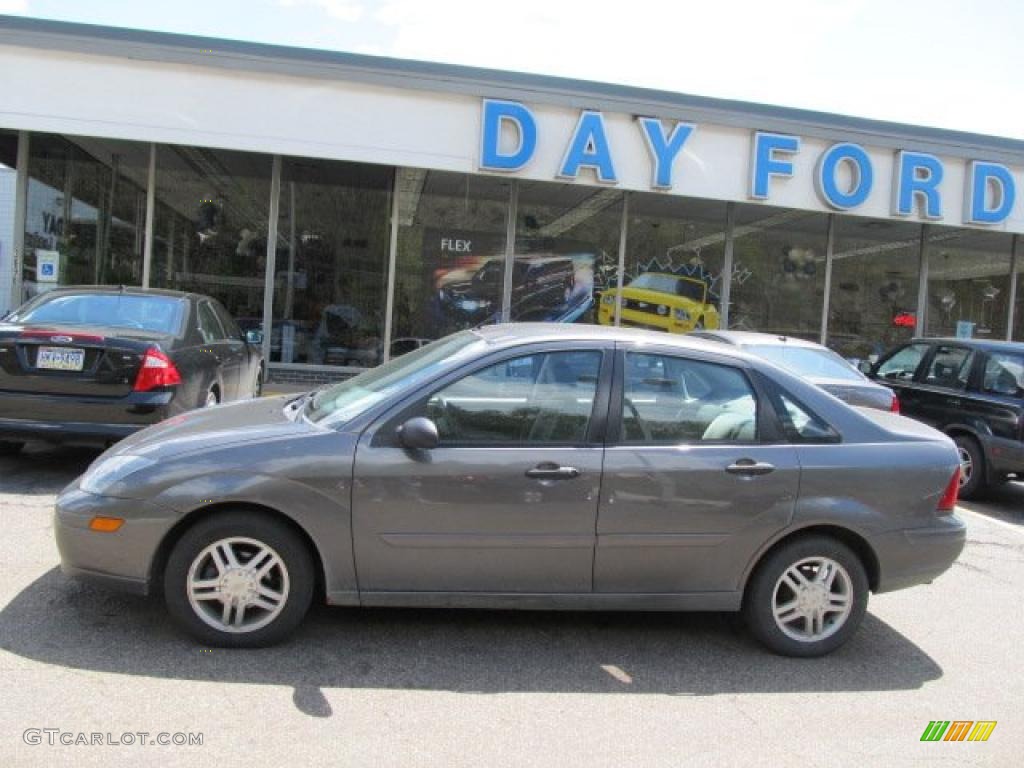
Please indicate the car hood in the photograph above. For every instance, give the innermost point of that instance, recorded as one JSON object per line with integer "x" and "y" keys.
{"x": 657, "y": 297}
{"x": 204, "y": 429}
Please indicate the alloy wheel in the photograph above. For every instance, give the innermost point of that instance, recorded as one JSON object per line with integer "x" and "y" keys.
{"x": 812, "y": 599}
{"x": 238, "y": 585}
{"x": 966, "y": 465}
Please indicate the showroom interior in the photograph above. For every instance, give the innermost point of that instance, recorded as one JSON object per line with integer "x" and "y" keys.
{"x": 856, "y": 284}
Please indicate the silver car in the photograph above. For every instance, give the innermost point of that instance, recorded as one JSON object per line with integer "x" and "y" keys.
{"x": 814, "y": 362}
{"x": 526, "y": 466}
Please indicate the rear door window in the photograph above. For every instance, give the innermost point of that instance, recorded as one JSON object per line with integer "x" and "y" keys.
{"x": 209, "y": 326}
{"x": 950, "y": 367}
{"x": 670, "y": 400}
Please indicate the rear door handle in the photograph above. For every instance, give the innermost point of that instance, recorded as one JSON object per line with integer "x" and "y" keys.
{"x": 552, "y": 471}
{"x": 750, "y": 468}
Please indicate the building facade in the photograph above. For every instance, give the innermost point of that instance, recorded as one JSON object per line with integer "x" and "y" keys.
{"x": 354, "y": 207}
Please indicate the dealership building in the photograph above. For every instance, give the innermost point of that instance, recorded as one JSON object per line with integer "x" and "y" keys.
{"x": 354, "y": 206}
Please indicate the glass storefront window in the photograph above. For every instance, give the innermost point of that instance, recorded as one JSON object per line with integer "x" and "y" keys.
{"x": 331, "y": 264}
{"x": 8, "y": 176}
{"x": 566, "y": 251}
{"x": 875, "y": 271}
{"x": 778, "y": 275}
{"x": 674, "y": 258}
{"x": 85, "y": 213}
{"x": 451, "y": 252}
{"x": 210, "y": 228}
{"x": 968, "y": 283}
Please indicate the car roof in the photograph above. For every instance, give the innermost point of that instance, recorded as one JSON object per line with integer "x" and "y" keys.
{"x": 513, "y": 334}
{"x": 993, "y": 345}
{"x": 126, "y": 290}
{"x": 742, "y": 338}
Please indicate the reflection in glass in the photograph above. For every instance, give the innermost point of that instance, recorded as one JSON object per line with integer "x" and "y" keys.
{"x": 567, "y": 242}
{"x": 674, "y": 259}
{"x": 85, "y": 212}
{"x": 451, "y": 250}
{"x": 968, "y": 283}
{"x": 875, "y": 272}
{"x": 331, "y": 264}
{"x": 778, "y": 271}
{"x": 210, "y": 228}
{"x": 8, "y": 176}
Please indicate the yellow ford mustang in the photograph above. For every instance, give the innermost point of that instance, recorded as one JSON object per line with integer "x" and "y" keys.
{"x": 661, "y": 301}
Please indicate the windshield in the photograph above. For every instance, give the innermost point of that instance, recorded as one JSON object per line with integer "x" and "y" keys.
{"x": 161, "y": 314}
{"x": 346, "y": 400}
{"x": 819, "y": 363}
{"x": 670, "y": 284}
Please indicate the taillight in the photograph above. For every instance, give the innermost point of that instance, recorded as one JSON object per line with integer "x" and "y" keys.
{"x": 156, "y": 370}
{"x": 948, "y": 500}
{"x": 894, "y": 406}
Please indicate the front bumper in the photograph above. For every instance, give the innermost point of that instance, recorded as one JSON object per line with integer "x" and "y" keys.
{"x": 69, "y": 418}
{"x": 123, "y": 559}
{"x": 913, "y": 556}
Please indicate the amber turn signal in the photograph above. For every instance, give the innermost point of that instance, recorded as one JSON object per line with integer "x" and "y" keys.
{"x": 105, "y": 524}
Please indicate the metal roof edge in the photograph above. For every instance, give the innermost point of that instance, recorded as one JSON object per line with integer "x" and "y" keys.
{"x": 248, "y": 56}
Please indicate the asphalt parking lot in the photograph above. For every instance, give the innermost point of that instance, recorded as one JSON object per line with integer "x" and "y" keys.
{"x": 413, "y": 687}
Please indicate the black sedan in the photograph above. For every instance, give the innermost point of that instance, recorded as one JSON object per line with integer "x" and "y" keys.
{"x": 94, "y": 364}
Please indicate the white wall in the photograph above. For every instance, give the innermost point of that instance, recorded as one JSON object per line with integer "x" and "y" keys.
{"x": 130, "y": 99}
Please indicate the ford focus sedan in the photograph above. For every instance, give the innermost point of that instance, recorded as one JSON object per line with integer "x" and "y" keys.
{"x": 526, "y": 466}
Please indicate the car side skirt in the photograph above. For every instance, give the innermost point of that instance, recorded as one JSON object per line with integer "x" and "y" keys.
{"x": 531, "y": 601}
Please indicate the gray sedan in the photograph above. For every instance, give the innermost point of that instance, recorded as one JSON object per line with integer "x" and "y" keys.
{"x": 526, "y": 466}
{"x": 814, "y": 362}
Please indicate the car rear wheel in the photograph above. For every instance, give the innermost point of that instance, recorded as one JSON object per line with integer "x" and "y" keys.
{"x": 9, "y": 448}
{"x": 239, "y": 580}
{"x": 807, "y": 597}
{"x": 257, "y": 388}
{"x": 972, "y": 467}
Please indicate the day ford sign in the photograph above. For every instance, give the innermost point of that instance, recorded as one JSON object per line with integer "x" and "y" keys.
{"x": 846, "y": 175}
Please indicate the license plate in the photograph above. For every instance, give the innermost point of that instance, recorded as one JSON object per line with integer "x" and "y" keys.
{"x": 60, "y": 359}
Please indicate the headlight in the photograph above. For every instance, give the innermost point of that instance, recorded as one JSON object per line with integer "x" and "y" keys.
{"x": 99, "y": 477}
{"x": 474, "y": 305}
{"x": 682, "y": 315}
{"x": 662, "y": 310}
{"x": 607, "y": 299}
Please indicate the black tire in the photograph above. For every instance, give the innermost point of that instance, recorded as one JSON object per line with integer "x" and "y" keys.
{"x": 289, "y": 546}
{"x": 759, "y": 597}
{"x": 974, "y": 485}
{"x": 214, "y": 393}
{"x": 10, "y": 447}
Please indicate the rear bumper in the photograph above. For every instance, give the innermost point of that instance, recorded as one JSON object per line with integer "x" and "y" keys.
{"x": 120, "y": 560}
{"x": 918, "y": 555}
{"x": 69, "y": 418}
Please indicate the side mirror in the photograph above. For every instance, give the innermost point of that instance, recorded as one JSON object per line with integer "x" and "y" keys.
{"x": 865, "y": 367}
{"x": 419, "y": 433}
{"x": 254, "y": 337}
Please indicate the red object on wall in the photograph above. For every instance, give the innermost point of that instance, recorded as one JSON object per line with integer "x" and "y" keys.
{"x": 905, "y": 320}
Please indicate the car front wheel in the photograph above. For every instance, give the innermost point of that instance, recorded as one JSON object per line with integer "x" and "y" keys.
{"x": 239, "y": 580}
{"x": 807, "y": 597}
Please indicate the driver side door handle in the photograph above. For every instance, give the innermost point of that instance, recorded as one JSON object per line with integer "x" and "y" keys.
{"x": 749, "y": 468}
{"x": 552, "y": 471}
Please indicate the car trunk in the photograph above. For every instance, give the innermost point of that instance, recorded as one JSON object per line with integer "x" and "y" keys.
{"x": 83, "y": 361}
{"x": 866, "y": 394}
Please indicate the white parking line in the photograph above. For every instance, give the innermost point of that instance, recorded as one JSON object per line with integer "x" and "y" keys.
{"x": 1015, "y": 528}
